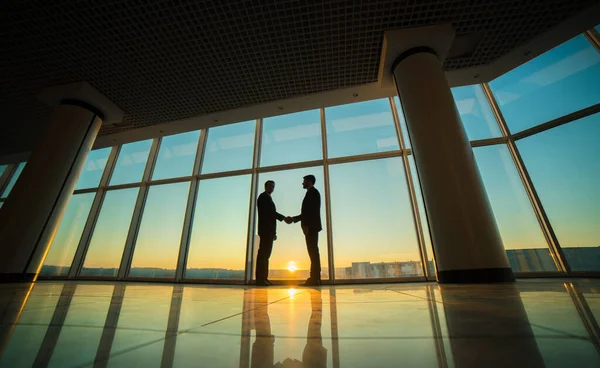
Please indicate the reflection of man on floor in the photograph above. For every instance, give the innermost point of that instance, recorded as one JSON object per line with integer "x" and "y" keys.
{"x": 262, "y": 349}
{"x": 315, "y": 354}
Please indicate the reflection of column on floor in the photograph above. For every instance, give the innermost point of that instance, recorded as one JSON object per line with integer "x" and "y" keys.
{"x": 168, "y": 355}
{"x": 436, "y": 328}
{"x": 488, "y": 326}
{"x": 315, "y": 354}
{"x": 263, "y": 346}
{"x": 110, "y": 327}
{"x": 335, "y": 344}
{"x": 11, "y": 313}
{"x": 246, "y": 329}
{"x": 58, "y": 319}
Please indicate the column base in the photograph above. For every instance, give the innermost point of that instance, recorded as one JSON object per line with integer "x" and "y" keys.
{"x": 476, "y": 276}
{"x": 6, "y": 278}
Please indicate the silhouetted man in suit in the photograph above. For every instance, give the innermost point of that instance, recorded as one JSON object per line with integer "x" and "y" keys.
{"x": 310, "y": 220}
{"x": 267, "y": 231}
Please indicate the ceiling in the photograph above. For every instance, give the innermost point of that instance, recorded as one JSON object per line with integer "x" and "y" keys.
{"x": 167, "y": 60}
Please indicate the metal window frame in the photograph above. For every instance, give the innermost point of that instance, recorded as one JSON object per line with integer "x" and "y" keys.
{"x": 90, "y": 225}
{"x": 538, "y": 209}
{"x": 5, "y": 178}
{"x": 136, "y": 219}
{"x": 249, "y": 271}
{"x": 593, "y": 37}
{"x": 186, "y": 233}
{"x": 327, "y": 188}
{"x": 412, "y": 196}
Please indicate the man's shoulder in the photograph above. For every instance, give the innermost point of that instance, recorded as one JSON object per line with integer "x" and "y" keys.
{"x": 263, "y": 196}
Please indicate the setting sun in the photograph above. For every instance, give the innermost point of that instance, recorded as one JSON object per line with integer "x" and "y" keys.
{"x": 292, "y": 266}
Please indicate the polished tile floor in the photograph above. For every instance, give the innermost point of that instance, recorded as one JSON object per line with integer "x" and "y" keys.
{"x": 533, "y": 323}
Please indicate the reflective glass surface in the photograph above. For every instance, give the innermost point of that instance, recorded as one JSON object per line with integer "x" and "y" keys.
{"x": 110, "y": 233}
{"x": 229, "y": 147}
{"x": 373, "y": 227}
{"x": 359, "y": 128}
{"x": 65, "y": 242}
{"x": 291, "y": 138}
{"x": 13, "y": 180}
{"x": 131, "y": 163}
{"x": 2, "y": 168}
{"x": 93, "y": 169}
{"x": 527, "y": 324}
{"x": 556, "y": 83}
{"x": 402, "y": 122}
{"x": 422, "y": 215}
{"x": 475, "y": 112}
{"x": 176, "y": 156}
{"x": 219, "y": 232}
{"x": 522, "y": 236}
{"x": 289, "y": 259}
{"x": 564, "y": 167}
{"x": 157, "y": 246}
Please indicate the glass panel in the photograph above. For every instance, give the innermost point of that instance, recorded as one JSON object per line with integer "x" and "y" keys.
{"x": 556, "y": 83}
{"x": 176, "y": 156}
{"x": 219, "y": 233}
{"x": 422, "y": 214}
{"x": 157, "y": 245}
{"x": 360, "y": 128}
{"x": 291, "y": 138}
{"x": 2, "y": 167}
{"x": 13, "y": 179}
{"x": 564, "y": 167}
{"x": 93, "y": 169}
{"x": 63, "y": 247}
{"x": 475, "y": 112}
{"x": 402, "y": 122}
{"x": 131, "y": 163}
{"x": 289, "y": 259}
{"x": 229, "y": 147}
{"x": 378, "y": 240}
{"x": 110, "y": 233}
{"x": 143, "y": 320}
{"x": 522, "y": 236}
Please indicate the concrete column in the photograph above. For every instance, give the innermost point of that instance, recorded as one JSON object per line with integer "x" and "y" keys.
{"x": 31, "y": 214}
{"x": 466, "y": 240}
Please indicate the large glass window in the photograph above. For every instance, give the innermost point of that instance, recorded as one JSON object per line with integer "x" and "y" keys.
{"x": 63, "y": 247}
{"x": 219, "y": 233}
{"x": 564, "y": 167}
{"x": 402, "y": 123}
{"x": 289, "y": 259}
{"x": 373, "y": 227}
{"x": 229, "y": 147}
{"x": 522, "y": 236}
{"x": 158, "y": 241}
{"x": 110, "y": 233}
{"x": 359, "y": 128}
{"x": 475, "y": 112}
{"x": 131, "y": 163}
{"x": 556, "y": 83}
{"x": 13, "y": 180}
{"x": 176, "y": 156}
{"x": 93, "y": 168}
{"x": 291, "y": 138}
{"x": 422, "y": 215}
{"x": 2, "y": 168}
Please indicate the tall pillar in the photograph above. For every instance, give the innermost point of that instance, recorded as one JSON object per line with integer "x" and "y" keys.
{"x": 31, "y": 214}
{"x": 466, "y": 240}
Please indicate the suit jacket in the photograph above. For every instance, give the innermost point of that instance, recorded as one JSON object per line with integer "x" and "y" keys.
{"x": 310, "y": 215}
{"x": 267, "y": 215}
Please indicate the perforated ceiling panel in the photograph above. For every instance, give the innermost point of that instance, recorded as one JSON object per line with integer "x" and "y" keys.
{"x": 167, "y": 60}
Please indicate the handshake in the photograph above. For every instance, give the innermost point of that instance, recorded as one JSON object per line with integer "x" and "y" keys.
{"x": 288, "y": 220}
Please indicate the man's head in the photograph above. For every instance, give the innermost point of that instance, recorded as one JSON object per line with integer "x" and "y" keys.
{"x": 309, "y": 181}
{"x": 269, "y": 186}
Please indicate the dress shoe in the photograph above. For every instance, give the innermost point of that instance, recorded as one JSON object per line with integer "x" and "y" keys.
{"x": 261, "y": 283}
{"x": 311, "y": 282}
{"x": 268, "y": 282}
